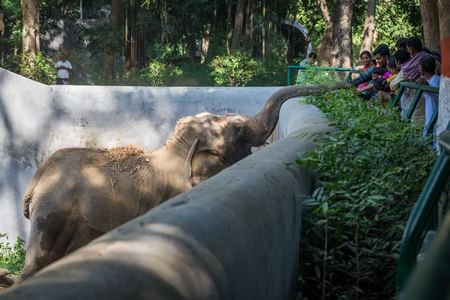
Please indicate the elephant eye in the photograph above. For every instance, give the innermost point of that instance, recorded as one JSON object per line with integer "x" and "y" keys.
{"x": 212, "y": 152}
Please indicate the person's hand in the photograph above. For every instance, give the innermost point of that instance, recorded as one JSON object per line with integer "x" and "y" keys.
{"x": 421, "y": 81}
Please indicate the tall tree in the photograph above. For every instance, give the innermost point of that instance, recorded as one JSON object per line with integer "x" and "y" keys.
{"x": 30, "y": 29}
{"x": 238, "y": 25}
{"x": 132, "y": 36}
{"x": 324, "y": 47}
{"x": 108, "y": 54}
{"x": 444, "y": 90}
{"x": 228, "y": 25}
{"x": 263, "y": 30}
{"x": 205, "y": 42}
{"x": 369, "y": 26}
{"x": 248, "y": 39}
{"x": 341, "y": 45}
{"x": 2, "y": 32}
{"x": 430, "y": 20}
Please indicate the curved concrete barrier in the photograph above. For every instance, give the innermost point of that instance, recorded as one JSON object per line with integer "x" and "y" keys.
{"x": 235, "y": 236}
{"x": 36, "y": 120}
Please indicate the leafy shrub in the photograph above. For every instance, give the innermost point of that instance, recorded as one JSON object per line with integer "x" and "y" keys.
{"x": 194, "y": 74}
{"x": 159, "y": 74}
{"x": 12, "y": 257}
{"x": 270, "y": 73}
{"x": 166, "y": 52}
{"x": 370, "y": 173}
{"x": 37, "y": 68}
{"x": 235, "y": 69}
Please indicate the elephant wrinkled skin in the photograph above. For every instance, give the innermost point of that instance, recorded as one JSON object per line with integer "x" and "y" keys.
{"x": 80, "y": 193}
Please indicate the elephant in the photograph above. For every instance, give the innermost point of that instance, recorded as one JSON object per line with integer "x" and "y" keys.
{"x": 78, "y": 194}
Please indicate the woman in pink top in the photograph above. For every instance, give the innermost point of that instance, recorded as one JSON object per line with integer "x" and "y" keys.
{"x": 366, "y": 59}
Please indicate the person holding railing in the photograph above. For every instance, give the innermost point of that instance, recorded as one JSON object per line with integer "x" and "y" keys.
{"x": 427, "y": 69}
{"x": 401, "y": 56}
{"x": 306, "y": 62}
{"x": 393, "y": 71}
{"x": 411, "y": 71}
{"x": 381, "y": 54}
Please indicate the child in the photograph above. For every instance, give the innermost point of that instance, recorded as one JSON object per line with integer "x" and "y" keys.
{"x": 427, "y": 69}
{"x": 382, "y": 91}
{"x": 393, "y": 70}
{"x": 379, "y": 72}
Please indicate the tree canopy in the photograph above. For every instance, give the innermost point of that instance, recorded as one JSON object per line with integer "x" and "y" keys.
{"x": 141, "y": 31}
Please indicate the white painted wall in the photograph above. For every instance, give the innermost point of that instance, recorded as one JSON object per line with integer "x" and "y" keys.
{"x": 36, "y": 120}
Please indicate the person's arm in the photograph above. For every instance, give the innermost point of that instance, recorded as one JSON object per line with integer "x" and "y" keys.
{"x": 366, "y": 88}
{"x": 69, "y": 67}
{"x": 363, "y": 78}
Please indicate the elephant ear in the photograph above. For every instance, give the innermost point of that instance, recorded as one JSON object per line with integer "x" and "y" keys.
{"x": 203, "y": 162}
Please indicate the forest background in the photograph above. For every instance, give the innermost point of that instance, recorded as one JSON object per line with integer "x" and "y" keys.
{"x": 202, "y": 42}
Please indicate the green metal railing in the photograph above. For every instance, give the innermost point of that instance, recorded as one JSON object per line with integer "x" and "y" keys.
{"x": 419, "y": 91}
{"x": 426, "y": 209}
{"x": 293, "y": 67}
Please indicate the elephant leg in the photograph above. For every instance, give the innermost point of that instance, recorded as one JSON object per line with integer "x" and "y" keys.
{"x": 52, "y": 237}
{"x": 48, "y": 241}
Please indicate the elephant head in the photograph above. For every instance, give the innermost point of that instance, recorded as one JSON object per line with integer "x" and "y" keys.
{"x": 216, "y": 142}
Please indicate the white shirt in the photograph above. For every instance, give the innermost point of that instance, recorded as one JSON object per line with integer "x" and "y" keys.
{"x": 63, "y": 73}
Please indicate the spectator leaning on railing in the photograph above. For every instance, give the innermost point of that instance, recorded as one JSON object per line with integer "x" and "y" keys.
{"x": 411, "y": 71}
{"x": 427, "y": 68}
{"x": 401, "y": 56}
{"x": 381, "y": 54}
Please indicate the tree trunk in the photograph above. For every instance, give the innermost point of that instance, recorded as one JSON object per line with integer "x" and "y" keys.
{"x": 248, "y": 41}
{"x": 238, "y": 25}
{"x": 205, "y": 42}
{"x": 341, "y": 46}
{"x": 2, "y": 33}
{"x": 369, "y": 27}
{"x": 263, "y": 31}
{"x": 132, "y": 63}
{"x": 324, "y": 47}
{"x": 108, "y": 54}
{"x": 191, "y": 46}
{"x": 444, "y": 90}
{"x": 229, "y": 2}
{"x": 430, "y": 20}
{"x": 30, "y": 32}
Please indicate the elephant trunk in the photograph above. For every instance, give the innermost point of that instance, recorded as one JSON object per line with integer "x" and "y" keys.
{"x": 260, "y": 126}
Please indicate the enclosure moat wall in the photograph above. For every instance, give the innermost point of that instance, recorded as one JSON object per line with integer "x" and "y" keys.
{"x": 235, "y": 236}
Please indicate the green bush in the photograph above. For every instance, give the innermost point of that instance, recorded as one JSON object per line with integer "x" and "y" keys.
{"x": 370, "y": 173}
{"x": 235, "y": 69}
{"x": 159, "y": 74}
{"x": 37, "y": 68}
{"x": 12, "y": 257}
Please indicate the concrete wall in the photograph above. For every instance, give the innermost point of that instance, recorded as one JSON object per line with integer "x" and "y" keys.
{"x": 235, "y": 236}
{"x": 37, "y": 119}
